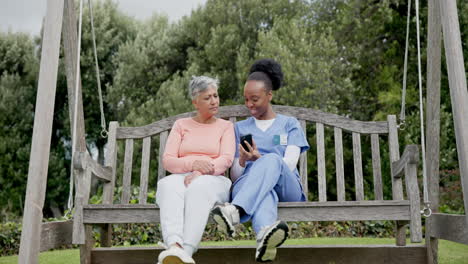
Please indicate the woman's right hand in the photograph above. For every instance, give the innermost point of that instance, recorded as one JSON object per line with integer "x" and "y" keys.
{"x": 251, "y": 155}
{"x": 203, "y": 166}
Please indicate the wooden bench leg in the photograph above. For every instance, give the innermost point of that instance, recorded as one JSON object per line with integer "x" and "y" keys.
{"x": 432, "y": 244}
{"x": 85, "y": 250}
{"x": 106, "y": 235}
{"x": 400, "y": 233}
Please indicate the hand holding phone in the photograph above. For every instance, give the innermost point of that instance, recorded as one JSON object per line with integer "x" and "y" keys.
{"x": 247, "y": 138}
{"x": 246, "y": 153}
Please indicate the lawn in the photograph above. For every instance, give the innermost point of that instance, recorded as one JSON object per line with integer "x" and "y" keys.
{"x": 449, "y": 252}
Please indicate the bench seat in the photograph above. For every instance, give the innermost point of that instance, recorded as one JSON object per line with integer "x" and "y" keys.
{"x": 298, "y": 211}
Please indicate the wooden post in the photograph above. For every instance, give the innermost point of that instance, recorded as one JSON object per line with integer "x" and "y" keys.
{"x": 434, "y": 50}
{"x": 42, "y": 132}
{"x": 70, "y": 36}
{"x": 458, "y": 89}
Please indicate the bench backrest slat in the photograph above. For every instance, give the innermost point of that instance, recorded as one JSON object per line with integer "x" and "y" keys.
{"x": 340, "y": 182}
{"x": 144, "y": 173}
{"x": 111, "y": 161}
{"x": 162, "y": 146}
{"x": 397, "y": 185}
{"x": 127, "y": 175}
{"x": 376, "y": 168}
{"x": 358, "y": 175}
{"x": 303, "y": 162}
{"x": 322, "y": 179}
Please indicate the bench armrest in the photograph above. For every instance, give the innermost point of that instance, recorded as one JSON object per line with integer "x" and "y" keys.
{"x": 408, "y": 165}
{"x": 85, "y": 167}
{"x": 410, "y": 156}
{"x": 83, "y": 161}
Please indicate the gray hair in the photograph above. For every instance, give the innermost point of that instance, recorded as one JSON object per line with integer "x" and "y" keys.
{"x": 200, "y": 83}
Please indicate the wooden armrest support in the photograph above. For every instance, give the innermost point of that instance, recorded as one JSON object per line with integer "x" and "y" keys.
{"x": 82, "y": 161}
{"x": 410, "y": 156}
{"x": 408, "y": 165}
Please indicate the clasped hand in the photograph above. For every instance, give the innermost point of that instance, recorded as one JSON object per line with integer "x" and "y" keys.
{"x": 251, "y": 154}
{"x": 203, "y": 166}
{"x": 199, "y": 167}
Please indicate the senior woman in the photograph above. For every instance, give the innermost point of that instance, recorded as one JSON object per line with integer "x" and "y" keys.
{"x": 199, "y": 150}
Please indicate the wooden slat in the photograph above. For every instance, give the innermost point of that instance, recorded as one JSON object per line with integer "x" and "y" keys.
{"x": 127, "y": 175}
{"x": 394, "y": 148}
{"x": 145, "y": 163}
{"x": 298, "y": 211}
{"x": 412, "y": 190}
{"x": 56, "y": 234}
{"x": 376, "y": 168}
{"x": 449, "y": 227}
{"x": 304, "y": 254}
{"x": 397, "y": 185}
{"x": 111, "y": 161}
{"x": 162, "y": 146}
{"x": 358, "y": 175}
{"x": 303, "y": 164}
{"x": 322, "y": 178}
{"x": 346, "y": 212}
{"x": 458, "y": 87}
{"x": 340, "y": 183}
{"x": 300, "y": 113}
{"x": 42, "y": 132}
{"x": 233, "y": 119}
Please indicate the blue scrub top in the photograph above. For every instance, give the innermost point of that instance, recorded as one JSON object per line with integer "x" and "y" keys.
{"x": 285, "y": 130}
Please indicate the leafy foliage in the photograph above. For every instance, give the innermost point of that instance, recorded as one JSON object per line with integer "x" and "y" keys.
{"x": 18, "y": 70}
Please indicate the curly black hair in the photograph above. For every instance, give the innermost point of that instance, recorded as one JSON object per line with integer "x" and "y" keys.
{"x": 269, "y": 71}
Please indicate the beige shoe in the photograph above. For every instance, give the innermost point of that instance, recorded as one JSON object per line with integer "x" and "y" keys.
{"x": 175, "y": 255}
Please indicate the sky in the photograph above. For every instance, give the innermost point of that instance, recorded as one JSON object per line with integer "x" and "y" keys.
{"x": 26, "y": 15}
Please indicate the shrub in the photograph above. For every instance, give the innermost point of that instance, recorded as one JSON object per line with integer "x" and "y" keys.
{"x": 10, "y": 234}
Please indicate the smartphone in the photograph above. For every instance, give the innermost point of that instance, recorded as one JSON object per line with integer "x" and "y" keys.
{"x": 247, "y": 138}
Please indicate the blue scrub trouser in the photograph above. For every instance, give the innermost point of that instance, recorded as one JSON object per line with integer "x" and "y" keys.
{"x": 266, "y": 183}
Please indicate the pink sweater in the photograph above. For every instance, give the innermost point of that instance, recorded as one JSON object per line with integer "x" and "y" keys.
{"x": 190, "y": 141}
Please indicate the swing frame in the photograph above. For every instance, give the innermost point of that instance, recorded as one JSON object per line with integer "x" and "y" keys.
{"x": 443, "y": 17}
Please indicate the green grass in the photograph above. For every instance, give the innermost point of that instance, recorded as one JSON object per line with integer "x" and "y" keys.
{"x": 449, "y": 252}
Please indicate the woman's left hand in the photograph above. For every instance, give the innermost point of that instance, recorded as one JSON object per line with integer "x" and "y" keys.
{"x": 189, "y": 178}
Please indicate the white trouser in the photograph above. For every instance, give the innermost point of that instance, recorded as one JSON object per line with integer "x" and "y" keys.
{"x": 184, "y": 210}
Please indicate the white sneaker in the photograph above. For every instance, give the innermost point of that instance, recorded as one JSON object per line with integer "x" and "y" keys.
{"x": 226, "y": 217}
{"x": 269, "y": 238}
{"x": 175, "y": 255}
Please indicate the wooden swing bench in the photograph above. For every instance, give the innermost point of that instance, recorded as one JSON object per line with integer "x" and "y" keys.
{"x": 402, "y": 208}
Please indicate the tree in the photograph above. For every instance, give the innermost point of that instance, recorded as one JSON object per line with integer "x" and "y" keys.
{"x": 18, "y": 78}
{"x": 143, "y": 65}
{"x": 316, "y": 74}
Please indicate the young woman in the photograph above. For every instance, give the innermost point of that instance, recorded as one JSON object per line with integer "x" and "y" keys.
{"x": 198, "y": 151}
{"x": 264, "y": 172}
